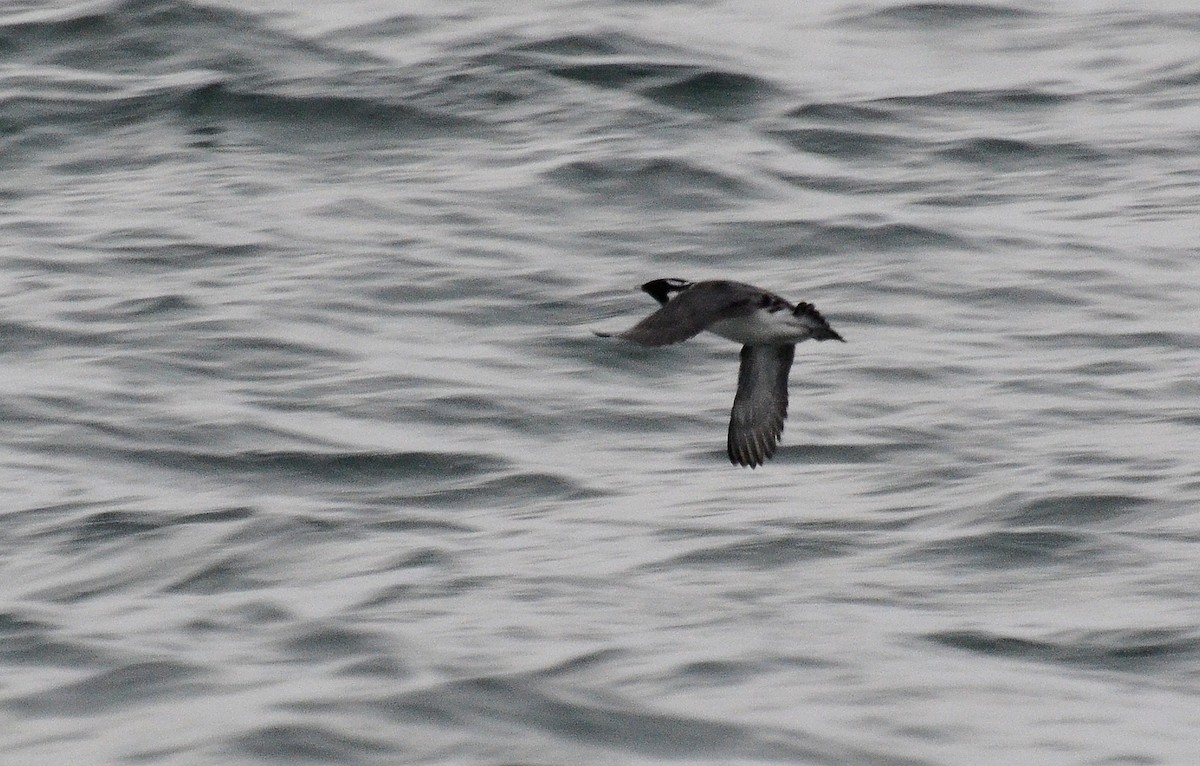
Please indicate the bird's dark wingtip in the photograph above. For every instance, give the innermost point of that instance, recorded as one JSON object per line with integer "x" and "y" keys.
{"x": 745, "y": 457}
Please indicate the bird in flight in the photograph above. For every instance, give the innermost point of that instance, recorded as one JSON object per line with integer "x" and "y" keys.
{"x": 767, "y": 326}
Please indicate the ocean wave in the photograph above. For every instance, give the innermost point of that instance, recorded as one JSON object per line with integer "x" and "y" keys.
{"x": 338, "y": 467}
{"x": 991, "y": 99}
{"x": 1006, "y": 296}
{"x": 1011, "y": 548}
{"x": 161, "y": 36}
{"x": 36, "y": 642}
{"x": 308, "y": 742}
{"x": 715, "y": 92}
{"x": 659, "y": 179}
{"x": 526, "y": 704}
{"x": 32, "y": 336}
{"x": 108, "y": 690}
{"x": 1116, "y": 340}
{"x": 847, "y": 145}
{"x": 1004, "y": 152}
{"x": 110, "y": 526}
{"x": 140, "y": 60}
{"x": 760, "y": 552}
{"x": 834, "y": 236}
{"x": 583, "y": 45}
{"x": 518, "y": 489}
{"x": 852, "y": 112}
{"x": 1075, "y": 510}
{"x": 688, "y": 87}
{"x": 321, "y": 116}
{"x": 1117, "y": 650}
{"x": 670, "y": 77}
{"x": 941, "y": 15}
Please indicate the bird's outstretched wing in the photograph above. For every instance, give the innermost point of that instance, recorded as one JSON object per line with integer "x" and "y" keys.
{"x": 691, "y": 312}
{"x": 760, "y": 407}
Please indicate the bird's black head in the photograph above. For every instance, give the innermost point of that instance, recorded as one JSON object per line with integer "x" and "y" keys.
{"x": 661, "y": 289}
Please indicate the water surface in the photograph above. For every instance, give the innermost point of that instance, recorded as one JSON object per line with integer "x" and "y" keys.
{"x": 309, "y": 453}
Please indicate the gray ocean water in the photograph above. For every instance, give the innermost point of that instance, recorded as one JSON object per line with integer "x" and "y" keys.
{"x": 308, "y": 453}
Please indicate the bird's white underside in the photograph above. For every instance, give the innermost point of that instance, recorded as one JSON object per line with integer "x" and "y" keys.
{"x": 763, "y": 328}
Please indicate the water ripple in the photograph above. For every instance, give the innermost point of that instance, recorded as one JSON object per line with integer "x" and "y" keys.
{"x": 620, "y": 727}
{"x": 108, "y": 690}
{"x": 762, "y": 552}
{"x": 1118, "y": 650}
{"x": 309, "y": 743}
{"x": 942, "y": 15}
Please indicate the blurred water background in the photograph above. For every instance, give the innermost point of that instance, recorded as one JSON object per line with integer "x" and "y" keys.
{"x": 309, "y": 454}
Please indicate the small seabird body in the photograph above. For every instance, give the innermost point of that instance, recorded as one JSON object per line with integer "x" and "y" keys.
{"x": 767, "y": 326}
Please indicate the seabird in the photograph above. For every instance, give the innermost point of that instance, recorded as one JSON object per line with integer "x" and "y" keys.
{"x": 767, "y": 326}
